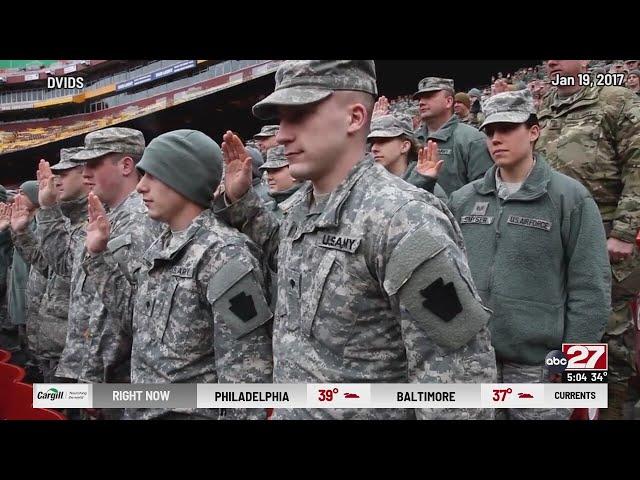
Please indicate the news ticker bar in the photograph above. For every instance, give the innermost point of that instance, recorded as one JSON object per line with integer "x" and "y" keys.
{"x": 357, "y": 395}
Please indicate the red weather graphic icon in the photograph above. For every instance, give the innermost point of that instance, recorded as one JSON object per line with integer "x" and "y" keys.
{"x": 351, "y": 395}
{"x": 525, "y": 395}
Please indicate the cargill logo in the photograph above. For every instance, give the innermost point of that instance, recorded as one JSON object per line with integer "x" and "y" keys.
{"x": 51, "y": 394}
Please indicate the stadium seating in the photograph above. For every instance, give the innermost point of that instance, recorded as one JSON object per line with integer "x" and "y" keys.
{"x": 16, "y": 397}
{"x": 18, "y": 405}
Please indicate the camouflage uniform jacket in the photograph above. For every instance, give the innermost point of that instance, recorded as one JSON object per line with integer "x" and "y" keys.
{"x": 348, "y": 305}
{"x": 62, "y": 245}
{"x": 26, "y": 287}
{"x": 594, "y": 137}
{"x": 279, "y": 202}
{"x": 49, "y": 335}
{"x": 200, "y": 313}
{"x": 109, "y": 339}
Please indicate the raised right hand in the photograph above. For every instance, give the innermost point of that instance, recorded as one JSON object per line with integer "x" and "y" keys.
{"x": 5, "y": 216}
{"x": 237, "y": 177}
{"x": 98, "y": 228}
{"x": 429, "y": 163}
{"x": 381, "y": 107}
{"x": 19, "y": 214}
{"x": 47, "y": 192}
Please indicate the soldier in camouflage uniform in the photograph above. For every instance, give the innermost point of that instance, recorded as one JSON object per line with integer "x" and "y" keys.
{"x": 280, "y": 182}
{"x": 462, "y": 147}
{"x": 393, "y": 147}
{"x": 475, "y": 111}
{"x": 200, "y": 313}
{"x": 633, "y": 81}
{"x": 6, "y": 255}
{"x": 131, "y": 233}
{"x": 537, "y": 250}
{"x": 28, "y": 281}
{"x": 98, "y": 345}
{"x": 592, "y": 133}
{"x": 48, "y": 338}
{"x": 266, "y": 138}
{"x": 373, "y": 284}
{"x": 462, "y": 109}
{"x": 6, "y": 252}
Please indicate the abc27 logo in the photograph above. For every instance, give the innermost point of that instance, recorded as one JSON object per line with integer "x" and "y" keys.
{"x": 579, "y": 362}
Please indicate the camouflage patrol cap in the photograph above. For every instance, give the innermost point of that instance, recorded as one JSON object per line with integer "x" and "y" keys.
{"x": 65, "y": 162}
{"x": 267, "y": 131}
{"x": 303, "y": 82}
{"x": 509, "y": 107}
{"x": 433, "y": 84}
{"x": 111, "y": 140}
{"x": 390, "y": 126}
{"x": 251, "y": 143}
{"x": 275, "y": 158}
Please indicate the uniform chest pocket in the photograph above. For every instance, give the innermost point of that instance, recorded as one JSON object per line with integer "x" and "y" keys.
{"x": 152, "y": 309}
{"x": 188, "y": 323}
{"x": 337, "y": 297}
{"x": 537, "y": 232}
{"x": 579, "y": 139}
{"x": 313, "y": 295}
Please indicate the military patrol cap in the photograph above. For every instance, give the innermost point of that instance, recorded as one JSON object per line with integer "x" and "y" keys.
{"x": 303, "y": 82}
{"x": 188, "y": 161}
{"x": 110, "y": 140}
{"x": 267, "y": 131}
{"x": 433, "y": 84}
{"x": 275, "y": 158}
{"x": 390, "y": 126}
{"x": 510, "y": 107}
{"x": 65, "y": 162}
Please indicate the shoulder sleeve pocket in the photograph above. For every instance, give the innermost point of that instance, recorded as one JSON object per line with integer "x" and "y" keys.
{"x": 236, "y": 296}
{"x": 424, "y": 272}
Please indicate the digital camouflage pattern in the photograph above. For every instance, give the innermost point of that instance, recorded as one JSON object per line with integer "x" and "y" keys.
{"x": 348, "y": 309}
{"x": 200, "y": 314}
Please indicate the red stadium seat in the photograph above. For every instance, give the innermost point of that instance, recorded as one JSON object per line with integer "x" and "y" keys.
{"x": 10, "y": 373}
{"x": 19, "y": 405}
{"x": 4, "y": 356}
